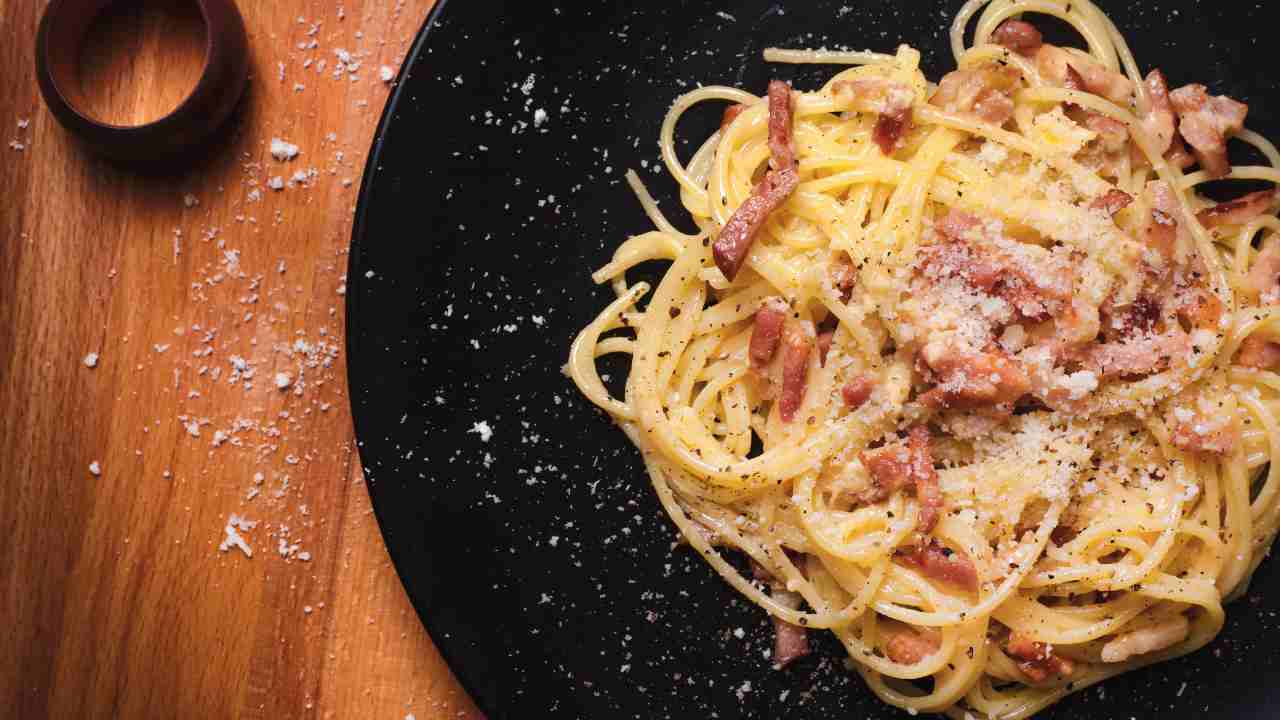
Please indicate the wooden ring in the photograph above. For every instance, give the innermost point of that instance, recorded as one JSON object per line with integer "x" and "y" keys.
{"x": 59, "y": 40}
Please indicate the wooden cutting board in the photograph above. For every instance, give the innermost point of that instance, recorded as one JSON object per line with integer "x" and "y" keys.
{"x": 214, "y": 307}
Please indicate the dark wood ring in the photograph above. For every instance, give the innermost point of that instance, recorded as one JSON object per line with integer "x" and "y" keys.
{"x": 226, "y": 68}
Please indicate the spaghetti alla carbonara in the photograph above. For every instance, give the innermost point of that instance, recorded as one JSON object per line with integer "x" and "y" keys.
{"x": 968, "y": 373}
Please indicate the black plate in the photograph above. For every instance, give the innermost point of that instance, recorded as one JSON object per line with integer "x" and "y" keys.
{"x": 539, "y": 559}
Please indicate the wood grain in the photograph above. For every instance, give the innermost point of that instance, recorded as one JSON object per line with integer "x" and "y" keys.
{"x": 115, "y": 596}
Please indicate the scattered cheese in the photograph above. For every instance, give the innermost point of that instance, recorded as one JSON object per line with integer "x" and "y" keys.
{"x": 282, "y": 150}
{"x": 483, "y": 430}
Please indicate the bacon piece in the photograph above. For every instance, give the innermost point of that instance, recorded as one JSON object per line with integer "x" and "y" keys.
{"x": 1199, "y": 306}
{"x": 1178, "y": 155}
{"x": 797, "y": 343}
{"x": 731, "y": 248}
{"x": 790, "y": 642}
{"x": 782, "y": 148}
{"x": 843, "y": 276}
{"x": 1113, "y": 136}
{"x": 889, "y": 131}
{"x": 1167, "y": 230}
{"x": 878, "y": 95}
{"x": 889, "y": 99}
{"x": 907, "y": 646}
{"x": 1238, "y": 211}
{"x": 1161, "y": 234}
{"x": 1112, "y": 202}
{"x": 1063, "y": 534}
{"x": 1159, "y": 121}
{"x": 1140, "y": 316}
{"x": 1072, "y": 79}
{"x": 1019, "y": 36}
{"x": 984, "y": 92}
{"x": 1032, "y": 286}
{"x": 1263, "y": 277}
{"x": 766, "y": 330}
{"x": 969, "y": 379}
{"x": 824, "y": 345}
{"x": 941, "y": 563}
{"x": 1059, "y": 66}
{"x": 731, "y": 113}
{"x": 1037, "y": 661}
{"x": 1139, "y": 355}
{"x": 900, "y": 465}
{"x": 857, "y": 391}
{"x": 1205, "y": 122}
{"x": 1259, "y": 353}
{"x": 733, "y": 244}
{"x": 1194, "y": 431}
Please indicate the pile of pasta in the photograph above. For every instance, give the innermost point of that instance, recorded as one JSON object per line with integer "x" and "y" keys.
{"x": 968, "y": 373}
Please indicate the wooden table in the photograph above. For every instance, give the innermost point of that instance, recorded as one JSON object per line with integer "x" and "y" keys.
{"x": 200, "y": 293}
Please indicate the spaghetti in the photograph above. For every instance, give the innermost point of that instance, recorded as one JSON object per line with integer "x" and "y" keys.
{"x": 967, "y": 373}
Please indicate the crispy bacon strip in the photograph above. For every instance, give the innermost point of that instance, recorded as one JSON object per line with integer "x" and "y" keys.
{"x": 843, "y": 276}
{"x": 766, "y": 330}
{"x": 857, "y": 391}
{"x": 1198, "y": 306}
{"x": 1159, "y": 121}
{"x": 910, "y": 464}
{"x": 907, "y": 646}
{"x": 984, "y": 92}
{"x": 1019, "y": 36}
{"x": 1238, "y": 211}
{"x": 1161, "y": 234}
{"x": 889, "y": 99}
{"x": 731, "y": 113}
{"x": 797, "y": 343}
{"x": 1113, "y": 136}
{"x": 969, "y": 379}
{"x": 790, "y": 642}
{"x": 782, "y": 147}
{"x": 731, "y": 248}
{"x": 1027, "y": 285}
{"x": 1178, "y": 155}
{"x": 1166, "y": 231}
{"x": 733, "y": 244}
{"x": 1259, "y": 353}
{"x": 1263, "y": 277}
{"x": 941, "y": 563}
{"x": 1205, "y": 122}
{"x": 1142, "y": 354}
{"x": 1063, "y": 68}
{"x": 1038, "y": 662}
{"x": 1112, "y": 202}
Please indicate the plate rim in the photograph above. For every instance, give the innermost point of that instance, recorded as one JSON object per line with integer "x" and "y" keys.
{"x": 359, "y": 231}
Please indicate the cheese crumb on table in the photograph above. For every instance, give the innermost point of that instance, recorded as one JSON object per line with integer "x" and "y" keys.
{"x": 95, "y": 469}
{"x": 283, "y": 380}
{"x": 386, "y": 73}
{"x": 233, "y": 537}
{"x": 283, "y": 150}
{"x": 91, "y": 360}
